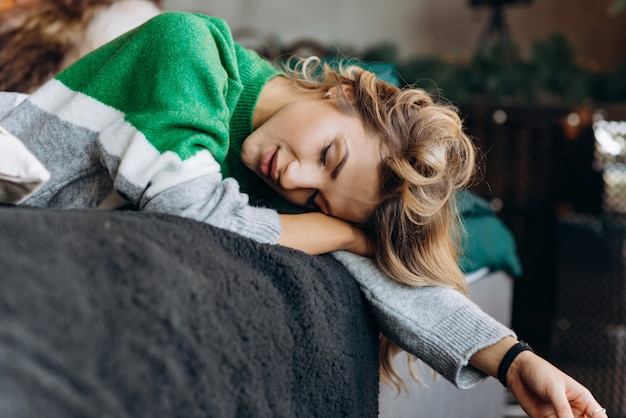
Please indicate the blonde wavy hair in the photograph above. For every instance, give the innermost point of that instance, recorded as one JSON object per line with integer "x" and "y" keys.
{"x": 415, "y": 230}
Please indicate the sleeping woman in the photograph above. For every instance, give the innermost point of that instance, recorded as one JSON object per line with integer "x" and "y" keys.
{"x": 175, "y": 117}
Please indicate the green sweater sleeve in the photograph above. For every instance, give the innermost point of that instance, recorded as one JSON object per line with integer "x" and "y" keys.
{"x": 175, "y": 79}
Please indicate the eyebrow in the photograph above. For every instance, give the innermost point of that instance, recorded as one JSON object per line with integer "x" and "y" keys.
{"x": 341, "y": 163}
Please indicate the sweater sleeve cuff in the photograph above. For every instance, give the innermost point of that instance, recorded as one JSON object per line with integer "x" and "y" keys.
{"x": 260, "y": 224}
{"x": 440, "y": 326}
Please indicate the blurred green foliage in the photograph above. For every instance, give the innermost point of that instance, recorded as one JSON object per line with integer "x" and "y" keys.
{"x": 496, "y": 72}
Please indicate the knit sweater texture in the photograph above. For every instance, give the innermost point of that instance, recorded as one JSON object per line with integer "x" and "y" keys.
{"x": 148, "y": 120}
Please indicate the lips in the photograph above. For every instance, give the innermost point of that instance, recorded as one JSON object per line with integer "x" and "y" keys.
{"x": 267, "y": 164}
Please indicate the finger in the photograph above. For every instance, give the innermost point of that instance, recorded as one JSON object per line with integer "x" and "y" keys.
{"x": 561, "y": 405}
{"x": 598, "y": 412}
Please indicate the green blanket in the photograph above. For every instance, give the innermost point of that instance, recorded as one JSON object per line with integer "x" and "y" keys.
{"x": 487, "y": 242}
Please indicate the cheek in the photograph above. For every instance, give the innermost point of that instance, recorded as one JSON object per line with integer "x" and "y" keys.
{"x": 352, "y": 210}
{"x": 251, "y": 149}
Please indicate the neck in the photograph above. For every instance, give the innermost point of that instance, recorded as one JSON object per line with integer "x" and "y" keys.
{"x": 278, "y": 92}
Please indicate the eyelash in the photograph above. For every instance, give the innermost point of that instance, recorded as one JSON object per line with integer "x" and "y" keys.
{"x": 324, "y": 153}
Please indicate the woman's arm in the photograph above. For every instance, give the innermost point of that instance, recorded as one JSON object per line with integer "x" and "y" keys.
{"x": 439, "y": 325}
{"x": 461, "y": 342}
{"x": 317, "y": 233}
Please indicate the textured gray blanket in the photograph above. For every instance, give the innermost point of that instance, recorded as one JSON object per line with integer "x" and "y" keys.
{"x": 125, "y": 314}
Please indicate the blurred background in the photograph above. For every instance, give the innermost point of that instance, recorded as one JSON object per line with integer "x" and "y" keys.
{"x": 541, "y": 85}
{"x": 596, "y": 30}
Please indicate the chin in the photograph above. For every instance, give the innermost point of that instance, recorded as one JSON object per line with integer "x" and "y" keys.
{"x": 58, "y": 33}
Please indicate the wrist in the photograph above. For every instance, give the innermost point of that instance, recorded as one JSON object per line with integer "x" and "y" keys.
{"x": 489, "y": 358}
{"x": 509, "y": 358}
{"x": 358, "y": 242}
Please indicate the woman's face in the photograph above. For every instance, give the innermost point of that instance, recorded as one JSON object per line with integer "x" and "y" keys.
{"x": 313, "y": 154}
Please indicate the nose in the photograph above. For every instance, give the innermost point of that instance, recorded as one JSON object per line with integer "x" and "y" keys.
{"x": 300, "y": 175}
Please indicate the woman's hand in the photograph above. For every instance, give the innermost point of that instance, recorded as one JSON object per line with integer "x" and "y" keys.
{"x": 317, "y": 233}
{"x": 544, "y": 391}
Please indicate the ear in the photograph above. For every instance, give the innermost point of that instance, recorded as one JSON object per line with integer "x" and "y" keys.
{"x": 343, "y": 90}
{"x": 348, "y": 91}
